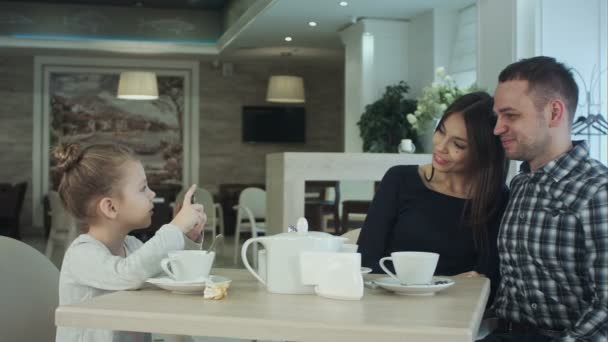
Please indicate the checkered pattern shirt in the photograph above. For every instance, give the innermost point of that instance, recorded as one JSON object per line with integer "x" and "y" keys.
{"x": 553, "y": 247}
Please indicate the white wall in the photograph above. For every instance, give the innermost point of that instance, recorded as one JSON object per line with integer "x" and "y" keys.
{"x": 390, "y": 52}
{"x": 421, "y": 64}
{"x": 496, "y": 42}
{"x": 463, "y": 61}
{"x": 574, "y": 32}
{"x": 445, "y": 25}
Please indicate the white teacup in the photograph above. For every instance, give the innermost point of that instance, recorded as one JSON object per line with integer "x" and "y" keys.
{"x": 188, "y": 265}
{"x": 412, "y": 268}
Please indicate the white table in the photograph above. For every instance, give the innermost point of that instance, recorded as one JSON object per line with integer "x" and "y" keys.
{"x": 250, "y": 312}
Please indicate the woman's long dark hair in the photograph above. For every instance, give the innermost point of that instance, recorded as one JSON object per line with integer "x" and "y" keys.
{"x": 486, "y": 165}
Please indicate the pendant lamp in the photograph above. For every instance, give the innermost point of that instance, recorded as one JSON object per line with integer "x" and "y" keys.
{"x": 137, "y": 85}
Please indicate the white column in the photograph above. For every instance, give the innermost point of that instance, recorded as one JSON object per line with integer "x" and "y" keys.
{"x": 445, "y": 27}
{"x": 421, "y": 50}
{"x": 375, "y": 57}
{"x": 507, "y": 32}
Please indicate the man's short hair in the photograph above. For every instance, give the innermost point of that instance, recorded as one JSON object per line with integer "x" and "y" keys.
{"x": 547, "y": 79}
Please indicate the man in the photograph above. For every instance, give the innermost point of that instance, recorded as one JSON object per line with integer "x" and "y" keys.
{"x": 553, "y": 242}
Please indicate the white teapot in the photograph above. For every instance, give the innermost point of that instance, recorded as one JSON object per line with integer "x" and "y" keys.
{"x": 283, "y": 258}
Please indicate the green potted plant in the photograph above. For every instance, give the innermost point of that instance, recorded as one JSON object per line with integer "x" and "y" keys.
{"x": 384, "y": 123}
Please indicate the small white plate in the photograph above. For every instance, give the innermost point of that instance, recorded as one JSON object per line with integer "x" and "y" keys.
{"x": 365, "y": 270}
{"x": 186, "y": 287}
{"x": 393, "y": 285}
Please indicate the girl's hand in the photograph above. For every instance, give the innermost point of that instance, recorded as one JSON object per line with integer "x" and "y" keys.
{"x": 190, "y": 216}
{"x": 197, "y": 233}
{"x": 470, "y": 274}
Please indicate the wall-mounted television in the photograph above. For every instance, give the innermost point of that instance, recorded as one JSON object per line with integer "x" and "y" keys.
{"x": 265, "y": 124}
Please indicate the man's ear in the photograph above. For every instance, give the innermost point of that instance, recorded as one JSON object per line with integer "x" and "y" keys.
{"x": 108, "y": 207}
{"x": 559, "y": 115}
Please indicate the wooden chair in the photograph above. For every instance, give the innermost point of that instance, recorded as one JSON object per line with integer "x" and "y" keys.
{"x": 318, "y": 208}
{"x": 355, "y": 207}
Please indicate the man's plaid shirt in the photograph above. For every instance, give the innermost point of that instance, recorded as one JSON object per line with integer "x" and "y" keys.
{"x": 553, "y": 247}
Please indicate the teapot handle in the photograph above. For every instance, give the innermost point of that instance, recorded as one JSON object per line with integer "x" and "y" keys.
{"x": 246, "y": 262}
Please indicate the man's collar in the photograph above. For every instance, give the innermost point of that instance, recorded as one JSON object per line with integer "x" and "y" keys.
{"x": 560, "y": 167}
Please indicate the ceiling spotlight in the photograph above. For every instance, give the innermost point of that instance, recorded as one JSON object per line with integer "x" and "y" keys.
{"x": 312, "y": 23}
{"x": 343, "y": 3}
{"x": 288, "y": 39}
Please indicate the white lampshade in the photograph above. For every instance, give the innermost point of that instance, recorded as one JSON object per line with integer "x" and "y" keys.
{"x": 137, "y": 85}
{"x": 285, "y": 89}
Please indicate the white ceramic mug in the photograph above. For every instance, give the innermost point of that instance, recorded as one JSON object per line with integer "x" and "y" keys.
{"x": 188, "y": 265}
{"x": 412, "y": 268}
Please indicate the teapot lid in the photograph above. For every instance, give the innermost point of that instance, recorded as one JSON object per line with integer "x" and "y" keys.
{"x": 306, "y": 235}
{"x": 300, "y": 231}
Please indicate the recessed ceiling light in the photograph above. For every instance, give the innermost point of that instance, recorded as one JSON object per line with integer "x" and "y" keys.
{"x": 288, "y": 39}
{"x": 312, "y": 23}
{"x": 343, "y": 3}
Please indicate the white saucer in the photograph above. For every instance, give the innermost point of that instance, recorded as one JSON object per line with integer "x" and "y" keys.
{"x": 365, "y": 270}
{"x": 393, "y": 285}
{"x": 186, "y": 287}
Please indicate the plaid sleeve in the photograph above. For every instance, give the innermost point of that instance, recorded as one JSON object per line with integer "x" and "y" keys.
{"x": 593, "y": 324}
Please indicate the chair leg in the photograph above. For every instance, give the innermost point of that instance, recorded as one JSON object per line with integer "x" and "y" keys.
{"x": 49, "y": 245}
{"x": 344, "y": 222}
{"x": 237, "y": 235}
{"x": 337, "y": 225}
{"x": 254, "y": 234}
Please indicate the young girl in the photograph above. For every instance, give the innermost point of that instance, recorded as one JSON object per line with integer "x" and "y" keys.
{"x": 105, "y": 188}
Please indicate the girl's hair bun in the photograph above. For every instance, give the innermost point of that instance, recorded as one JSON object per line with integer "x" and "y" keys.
{"x": 67, "y": 155}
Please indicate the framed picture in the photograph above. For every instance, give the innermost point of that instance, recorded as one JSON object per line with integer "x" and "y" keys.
{"x": 75, "y": 101}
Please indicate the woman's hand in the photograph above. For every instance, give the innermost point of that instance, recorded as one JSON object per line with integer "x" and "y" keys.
{"x": 470, "y": 274}
{"x": 191, "y": 217}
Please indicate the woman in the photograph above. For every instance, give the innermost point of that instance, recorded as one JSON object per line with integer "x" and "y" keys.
{"x": 452, "y": 206}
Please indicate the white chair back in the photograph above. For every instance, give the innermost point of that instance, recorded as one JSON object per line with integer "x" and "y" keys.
{"x": 250, "y": 217}
{"x": 64, "y": 228}
{"x": 29, "y": 293}
{"x": 255, "y": 200}
{"x": 352, "y": 235}
{"x": 61, "y": 219}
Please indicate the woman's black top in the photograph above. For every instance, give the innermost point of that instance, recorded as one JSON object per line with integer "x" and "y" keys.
{"x": 406, "y": 215}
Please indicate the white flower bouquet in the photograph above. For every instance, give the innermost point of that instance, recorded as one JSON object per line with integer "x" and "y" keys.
{"x": 434, "y": 100}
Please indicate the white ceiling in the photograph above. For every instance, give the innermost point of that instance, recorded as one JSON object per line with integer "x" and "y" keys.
{"x": 264, "y": 35}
